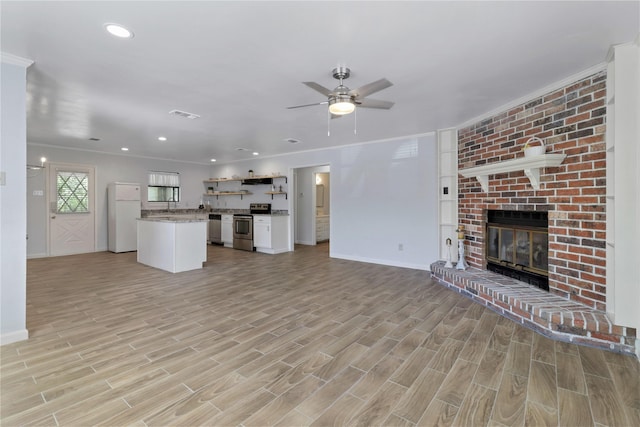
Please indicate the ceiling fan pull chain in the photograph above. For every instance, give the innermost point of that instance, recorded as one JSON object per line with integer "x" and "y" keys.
{"x": 355, "y": 121}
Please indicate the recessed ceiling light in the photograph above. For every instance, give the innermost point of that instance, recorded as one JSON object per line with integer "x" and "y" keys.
{"x": 118, "y": 31}
{"x": 213, "y": 160}
{"x": 124, "y": 149}
{"x": 255, "y": 153}
{"x": 162, "y": 138}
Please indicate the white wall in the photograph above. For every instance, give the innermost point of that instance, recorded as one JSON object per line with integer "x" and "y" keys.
{"x": 109, "y": 168}
{"x": 13, "y": 279}
{"x": 383, "y": 194}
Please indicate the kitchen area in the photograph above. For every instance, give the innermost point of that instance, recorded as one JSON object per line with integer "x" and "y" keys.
{"x": 175, "y": 239}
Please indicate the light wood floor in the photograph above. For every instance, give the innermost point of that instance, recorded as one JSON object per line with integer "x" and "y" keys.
{"x": 291, "y": 339}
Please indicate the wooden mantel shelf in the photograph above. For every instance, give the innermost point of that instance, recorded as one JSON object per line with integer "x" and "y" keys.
{"x": 530, "y": 165}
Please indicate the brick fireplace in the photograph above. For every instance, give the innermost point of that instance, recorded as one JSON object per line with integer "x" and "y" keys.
{"x": 571, "y": 122}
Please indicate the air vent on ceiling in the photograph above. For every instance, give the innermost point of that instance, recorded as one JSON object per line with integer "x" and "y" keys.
{"x": 292, "y": 140}
{"x": 94, "y": 139}
{"x": 183, "y": 114}
{"x": 242, "y": 149}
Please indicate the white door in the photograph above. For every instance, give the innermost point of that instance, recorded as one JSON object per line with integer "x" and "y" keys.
{"x": 71, "y": 209}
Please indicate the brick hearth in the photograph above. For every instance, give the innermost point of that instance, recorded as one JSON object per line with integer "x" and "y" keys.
{"x": 544, "y": 312}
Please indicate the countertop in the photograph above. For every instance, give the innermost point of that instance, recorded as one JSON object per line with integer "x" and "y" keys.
{"x": 171, "y": 219}
{"x": 154, "y": 213}
{"x": 285, "y": 213}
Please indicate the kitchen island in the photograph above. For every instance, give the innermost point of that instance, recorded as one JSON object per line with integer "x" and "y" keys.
{"x": 172, "y": 244}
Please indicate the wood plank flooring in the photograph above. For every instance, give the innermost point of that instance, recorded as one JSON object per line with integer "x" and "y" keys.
{"x": 289, "y": 340}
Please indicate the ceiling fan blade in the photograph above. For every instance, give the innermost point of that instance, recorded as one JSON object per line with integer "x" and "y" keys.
{"x": 318, "y": 87}
{"x": 308, "y": 105}
{"x": 374, "y": 103}
{"x": 370, "y": 88}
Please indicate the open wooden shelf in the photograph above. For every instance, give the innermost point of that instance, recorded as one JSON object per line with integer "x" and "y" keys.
{"x": 228, "y": 193}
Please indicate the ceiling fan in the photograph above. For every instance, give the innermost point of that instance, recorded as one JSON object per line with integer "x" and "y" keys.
{"x": 343, "y": 100}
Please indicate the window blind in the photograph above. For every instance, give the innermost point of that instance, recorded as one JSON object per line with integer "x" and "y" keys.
{"x": 164, "y": 179}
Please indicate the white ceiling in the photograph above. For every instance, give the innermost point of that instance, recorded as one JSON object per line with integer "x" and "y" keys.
{"x": 240, "y": 64}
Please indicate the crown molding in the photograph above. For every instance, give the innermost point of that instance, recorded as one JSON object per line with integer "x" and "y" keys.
{"x": 537, "y": 93}
{"x": 8, "y": 58}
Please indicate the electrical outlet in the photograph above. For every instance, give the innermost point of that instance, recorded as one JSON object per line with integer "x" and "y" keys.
{"x": 400, "y": 247}
{"x": 38, "y": 192}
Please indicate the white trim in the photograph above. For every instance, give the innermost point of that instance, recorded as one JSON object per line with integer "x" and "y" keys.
{"x": 8, "y": 58}
{"x": 612, "y": 48}
{"x": 305, "y": 242}
{"x": 222, "y": 163}
{"x": 38, "y": 255}
{"x": 537, "y": 93}
{"x": 377, "y": 261}
{"x": 36, "y": 144}
{"x": 332, "y": 147}
{"x": 15, "y": 336}
{"x": 530, "y": 165}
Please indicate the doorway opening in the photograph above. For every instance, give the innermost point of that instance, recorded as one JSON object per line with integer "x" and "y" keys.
{"x": 312, "y": 205}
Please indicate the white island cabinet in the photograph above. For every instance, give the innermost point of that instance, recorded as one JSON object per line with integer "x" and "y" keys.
{"x": 271, "y": 233}
{"x": 172, "y": 244}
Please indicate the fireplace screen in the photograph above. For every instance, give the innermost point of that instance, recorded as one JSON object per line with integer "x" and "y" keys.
{"x": 518, "y": 248}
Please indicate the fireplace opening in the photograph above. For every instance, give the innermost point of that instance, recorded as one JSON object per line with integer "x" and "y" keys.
{"x": 517, "y": 245}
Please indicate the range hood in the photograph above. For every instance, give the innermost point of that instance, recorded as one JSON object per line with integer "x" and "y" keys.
{"x": 256, "y": 181}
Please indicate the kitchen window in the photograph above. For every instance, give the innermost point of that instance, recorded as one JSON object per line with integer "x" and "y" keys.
{"x": 163, "y": 187}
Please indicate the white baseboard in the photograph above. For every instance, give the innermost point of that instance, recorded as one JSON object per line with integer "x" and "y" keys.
{"x": 382, "y": 262}
{"x": 16, "y": 336}
{"x": 305, "y": 242}
{"x": 40, "y": 255}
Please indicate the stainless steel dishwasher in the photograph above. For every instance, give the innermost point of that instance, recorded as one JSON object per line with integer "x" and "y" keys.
{"x": 215, "y": 229}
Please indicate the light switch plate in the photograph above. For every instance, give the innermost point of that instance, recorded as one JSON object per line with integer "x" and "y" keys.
{"x": 3, "y": 178}
{"x": 38, "y": 192}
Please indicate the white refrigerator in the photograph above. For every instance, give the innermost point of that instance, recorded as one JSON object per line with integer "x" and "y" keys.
{"x": 123, "y": 205}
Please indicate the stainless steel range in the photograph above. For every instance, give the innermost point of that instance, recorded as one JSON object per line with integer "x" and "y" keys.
{"x": 243, "y": 226}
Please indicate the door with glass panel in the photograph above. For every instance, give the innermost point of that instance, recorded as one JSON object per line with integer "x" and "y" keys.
{"x": 71, "y": 209}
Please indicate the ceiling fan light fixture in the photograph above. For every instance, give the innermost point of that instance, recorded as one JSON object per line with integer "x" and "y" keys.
{"x": 341, "y": 105}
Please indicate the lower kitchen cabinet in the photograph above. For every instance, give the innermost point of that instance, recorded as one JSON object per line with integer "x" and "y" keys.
{"x": 227, "y": 230}
{"x": 271, "y": 233}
